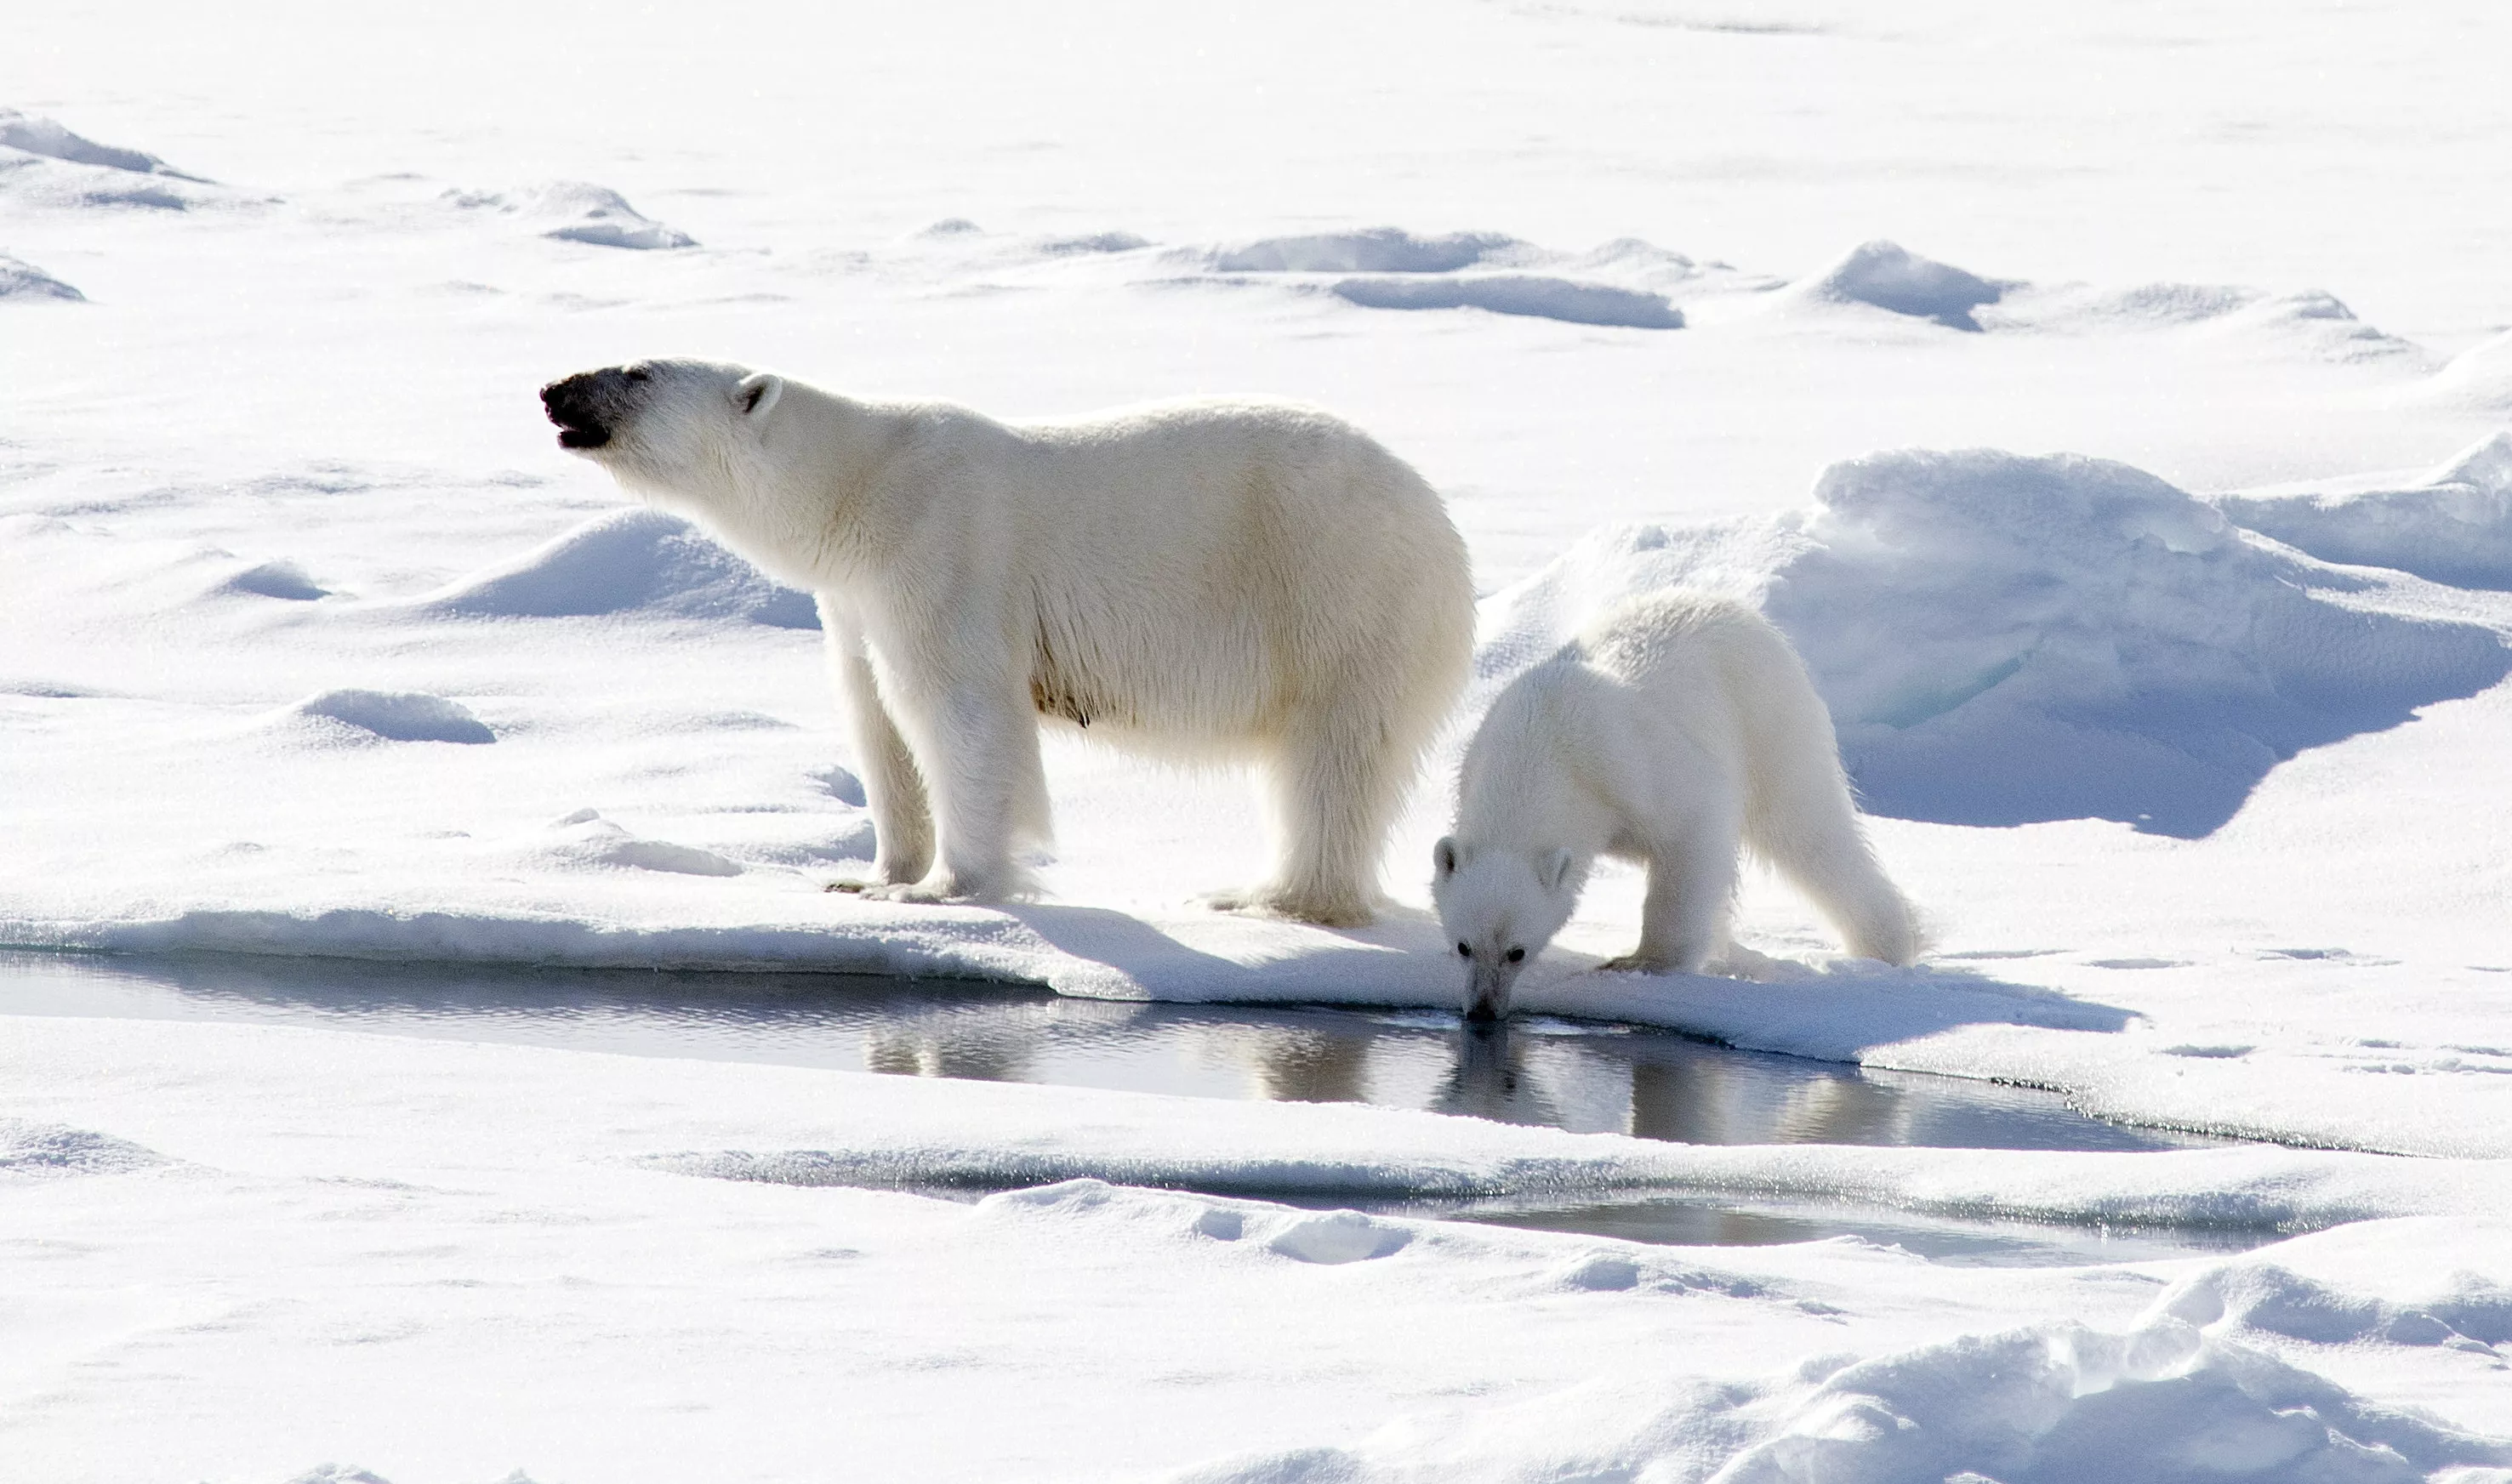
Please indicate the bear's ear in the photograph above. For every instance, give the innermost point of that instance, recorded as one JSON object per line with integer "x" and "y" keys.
{"x": 1554, "y": 870}
{"x": 757, "y": 393}
{"x": 1443, "y": 856}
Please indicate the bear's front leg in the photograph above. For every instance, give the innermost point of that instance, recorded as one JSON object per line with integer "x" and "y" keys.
{"x": 893, "y": 790}
{"x": 976, "y": 748}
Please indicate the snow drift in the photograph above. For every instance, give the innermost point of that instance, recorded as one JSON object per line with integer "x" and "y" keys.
{"x": 396, "y": 716}
{"x": 2480, "y": 377}
{"x": 633, "y": 561}
{"x": 2051, "y": 1403}
{"x": 2452, "y": 525}
{"x": 2005, "y": 639}
{"x": 577, "y": 211}
{"x": 33, "y": 1149}
{"x": 24, "y": 280}
{"x": 49, "y": 138}
{"x": 1373, "y": 250}
{"x": 1523, "y": 294}
{"x": 1886, "y": 276}
{"x": 44, "y": 164}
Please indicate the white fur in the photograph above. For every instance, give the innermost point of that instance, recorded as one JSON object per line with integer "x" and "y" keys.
{"x": 1675, "y": 730}
{"x": 1205, "y": 579}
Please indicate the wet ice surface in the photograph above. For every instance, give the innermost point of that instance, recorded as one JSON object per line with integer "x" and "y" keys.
{"x": 1582, "y": 1077}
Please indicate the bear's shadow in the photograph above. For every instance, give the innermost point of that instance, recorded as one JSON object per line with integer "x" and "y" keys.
{"x": 1834, "y": 1011}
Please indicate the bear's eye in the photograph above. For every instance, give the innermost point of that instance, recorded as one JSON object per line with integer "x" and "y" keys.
{"x": 636, "y": 374}
{"x": 1517, "y": 956}
{"x": 1464, "y": 950}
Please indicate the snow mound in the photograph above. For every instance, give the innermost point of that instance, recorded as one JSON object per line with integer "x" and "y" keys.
{"x": 633, "y": 561}
{"x": 586, "y": 839}
{"x": 37, "y": 136}
{"x": 42, "y": 1150}
{"x": 24, "y": 280}
{"x": 1323, "y": 1238}
{"x": 398, "y": 716}
{"x": 1375, "y": 250}
{"x": 2319, "y": 321}
{"x": 2454, "y": 524}
{"x": 338, "y": 1473}
{"x": 2472, "y": 1313}
{"x": 1524, "y": 294}
{"x": 1886, "y": 276}
{"x": 1087, "y": 244}
{"x": 2006, "y": 639}
{"x": 2058, "y": 1403}
{"x": 283, "y": 580}
{"x": 577, "y": 211}
{"x": 2480, "y": 377}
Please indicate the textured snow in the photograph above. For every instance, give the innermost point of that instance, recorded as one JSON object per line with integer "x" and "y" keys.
{"x": 1374, "y": 249}
{"x": 2451, "y": 524}
{"x": 1527, "y": 294}
{"x": 25, "y": 281}
{"x": 1886, "y": 276}
{"x": 577, "y": 211}
{"x": 39, "y": 136}
{"x": 396, "y": 716}
{"x": 629, "y": 562}
{"x": 30, "y": 1149}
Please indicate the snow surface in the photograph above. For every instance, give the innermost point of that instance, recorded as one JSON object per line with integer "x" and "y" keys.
{"x": 2039, "y": 371}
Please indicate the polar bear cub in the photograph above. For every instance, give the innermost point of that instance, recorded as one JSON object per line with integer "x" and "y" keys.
{"x": 1675, "y": 729}
{"x": 1203, "y": 580}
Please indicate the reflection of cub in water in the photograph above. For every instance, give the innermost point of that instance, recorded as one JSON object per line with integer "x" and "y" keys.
{"x": 1674, "y": 731}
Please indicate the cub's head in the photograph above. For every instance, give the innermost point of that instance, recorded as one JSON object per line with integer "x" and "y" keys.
{"x": 1499, "y": 907}
{"x": 666, "y": 425}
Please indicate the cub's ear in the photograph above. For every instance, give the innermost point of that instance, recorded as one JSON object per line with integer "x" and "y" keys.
{"x": 1554, "y": 870}
{"x": 1443, "y": 856}
{"x": 757, "y": 393}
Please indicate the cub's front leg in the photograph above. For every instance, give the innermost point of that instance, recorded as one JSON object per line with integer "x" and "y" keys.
{"x": 1691, "y": 896}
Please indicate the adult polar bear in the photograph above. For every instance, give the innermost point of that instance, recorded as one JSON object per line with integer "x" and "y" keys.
{"x": 1203, "y": 579}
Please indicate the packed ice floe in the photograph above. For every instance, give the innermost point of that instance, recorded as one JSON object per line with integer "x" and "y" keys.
{"x": 437, "y": 1190}
{"x": 2188, "y": 770}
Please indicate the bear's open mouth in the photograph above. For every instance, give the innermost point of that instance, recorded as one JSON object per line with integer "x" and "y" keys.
{"x": 570, "y": 403}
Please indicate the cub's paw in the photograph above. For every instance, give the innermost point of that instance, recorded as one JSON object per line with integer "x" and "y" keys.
{"x": 1637, "y": 963}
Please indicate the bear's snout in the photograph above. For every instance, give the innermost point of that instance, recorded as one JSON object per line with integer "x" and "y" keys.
{"x": 579, "y": 406}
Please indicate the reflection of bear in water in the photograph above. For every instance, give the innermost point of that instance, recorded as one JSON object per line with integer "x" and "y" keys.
{"x": 1205, "y": 579}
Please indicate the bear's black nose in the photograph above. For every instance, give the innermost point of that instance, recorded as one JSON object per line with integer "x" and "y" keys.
{"x": 570, "y": 403}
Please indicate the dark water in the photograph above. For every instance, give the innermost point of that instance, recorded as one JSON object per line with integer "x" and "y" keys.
{"x": 1581, "y": 1076}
